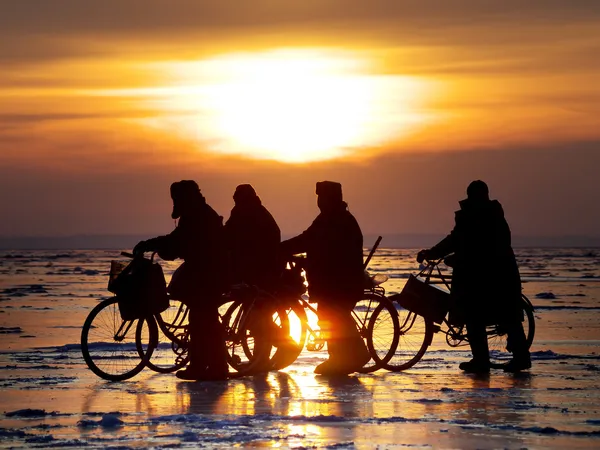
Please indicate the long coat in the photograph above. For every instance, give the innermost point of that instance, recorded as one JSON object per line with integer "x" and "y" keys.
{"x": 198, "y": 240}
{"x": 333, "y": 245}
{"x": 252, "y": 238}
{"x": 486, "y": 284}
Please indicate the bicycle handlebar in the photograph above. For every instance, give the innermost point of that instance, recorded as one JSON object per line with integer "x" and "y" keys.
{"x": 127, "y": 254}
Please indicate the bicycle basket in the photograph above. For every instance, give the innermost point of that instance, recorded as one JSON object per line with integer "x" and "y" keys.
{"x": 116, "y": 267}
{"x": 424, "y": 299}
{"x": 140, "y": 287}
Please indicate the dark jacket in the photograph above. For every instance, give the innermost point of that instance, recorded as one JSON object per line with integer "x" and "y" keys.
{"x": 198, "y": 240}
{"x": 252, "y": 239}
{"x": 334, "y": 252}
{"x": 485, "y": 282}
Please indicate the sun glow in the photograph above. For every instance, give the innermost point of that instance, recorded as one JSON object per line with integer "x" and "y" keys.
{"x": 288, "y": 105}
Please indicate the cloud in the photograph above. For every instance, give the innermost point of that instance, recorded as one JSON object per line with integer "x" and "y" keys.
{"x": 38, "y": 29}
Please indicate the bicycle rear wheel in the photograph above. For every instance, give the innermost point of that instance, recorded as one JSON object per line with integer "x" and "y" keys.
{"x": 171, "y": 349}
{"x": 497, "y": 336}
{"x": 414, "y": 336}
{"x": 377, "y": 323}
{"x": 110, "y": 346}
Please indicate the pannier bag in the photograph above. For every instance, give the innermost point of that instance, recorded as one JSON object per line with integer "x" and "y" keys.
{"x": 140, "y": 287}
{"x": 424, "y": 299}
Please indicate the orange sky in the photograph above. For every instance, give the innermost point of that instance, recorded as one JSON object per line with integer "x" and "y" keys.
{"x": 103, "y": 104}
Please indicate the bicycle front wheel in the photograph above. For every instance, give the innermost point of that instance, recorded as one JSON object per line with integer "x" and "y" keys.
{"x": 414, "y": 336}
{"x": 383, "y": 333}
{"x": 377, "y": 322}
{"x": 254, "y": 328}
{"x": 292, "y": 339}
{"x": 111, "y": 346}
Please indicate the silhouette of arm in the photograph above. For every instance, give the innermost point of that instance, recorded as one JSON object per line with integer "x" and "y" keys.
{"x": 296, "y": 244}
{"x": 167, "y": 246}
{"x": 446, "y": 245}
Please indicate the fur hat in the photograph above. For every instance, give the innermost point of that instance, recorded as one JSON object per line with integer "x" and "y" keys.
{"x": 329, "y": 189}
{"x": 182, "y": 191}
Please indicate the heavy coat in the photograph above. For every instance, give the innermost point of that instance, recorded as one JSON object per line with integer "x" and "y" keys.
{"x": 333, "y": 246}
{"x": 485, "y": 284}
{"x": 252, "y": 239}
{"x": 198, "y": 240}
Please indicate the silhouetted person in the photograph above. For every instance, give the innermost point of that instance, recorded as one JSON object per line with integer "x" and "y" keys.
{"x": 486, "y": 284}
{"x": 197, "y": 240}
{"x": 334, "y": 246}
{"x": 252, "y": 238}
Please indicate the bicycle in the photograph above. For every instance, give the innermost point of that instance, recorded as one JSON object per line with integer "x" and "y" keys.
{"x": 424, "y": 309}
{"x": 374, "y": 316}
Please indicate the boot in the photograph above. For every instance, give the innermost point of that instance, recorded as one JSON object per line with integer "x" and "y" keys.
{"x": 190, "y": 373}
{"x": 518, "y": 363}
{"x": 475, "y": 366}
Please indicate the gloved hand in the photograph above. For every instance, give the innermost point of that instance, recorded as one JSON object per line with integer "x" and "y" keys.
{"x": 141, "y": 247}
{"x": 423, "y": 255}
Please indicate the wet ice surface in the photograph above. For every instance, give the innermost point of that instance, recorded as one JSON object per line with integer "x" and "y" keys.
{"x": 51, "y": 399}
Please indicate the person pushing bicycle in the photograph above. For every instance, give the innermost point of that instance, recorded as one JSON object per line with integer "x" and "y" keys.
{"x": 480, "y": 245}
{"x": 198, "y": 240}
{"x": 335, "y": 275}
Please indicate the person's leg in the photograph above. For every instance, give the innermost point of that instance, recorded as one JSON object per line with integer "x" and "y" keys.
{"x": 479, "y": 348}
{"x": 347, "y": 351}
{"x": 517, "y": 345}
{"x": 213, "y": 342}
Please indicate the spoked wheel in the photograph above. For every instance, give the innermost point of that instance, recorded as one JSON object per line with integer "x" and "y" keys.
{"x": 377, "y": 322}
{"x": 383, "y": 333}
{"x": 254, "y": 330}
{"x": 415, "y": 334}
{"x": 292, "y": 343}
{"x": 497, "y": 336}
{"x": 110, "y": 345}
{"x": 171, "y": 352}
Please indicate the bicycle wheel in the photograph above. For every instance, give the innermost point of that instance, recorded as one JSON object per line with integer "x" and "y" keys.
{"x": 108, "y": 343}
{"x": 383, "y": 333}
{"x": 171, "y": 349}
{"x": 497, "y": 336}
{"x": 414, "y": 336}
{"x": 254, "y": 329}
{"x": 363, "y": 313}
{"x": 292, "y": 340}
{"x": 239, "y": 339}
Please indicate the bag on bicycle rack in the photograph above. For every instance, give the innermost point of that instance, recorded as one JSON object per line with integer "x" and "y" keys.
{"x": 140, "y": 287}
{"x": 424, "y": 299}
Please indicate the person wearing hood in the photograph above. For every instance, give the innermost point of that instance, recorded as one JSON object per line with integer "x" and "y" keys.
{"x": 252, "y": 239}
{"x": 486, "y": 285}
{"x": 198, "y": 240}
{"x": 334, "y": 269}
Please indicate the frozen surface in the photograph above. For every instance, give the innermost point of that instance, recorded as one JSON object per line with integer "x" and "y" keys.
{"x": 50, "y": 398}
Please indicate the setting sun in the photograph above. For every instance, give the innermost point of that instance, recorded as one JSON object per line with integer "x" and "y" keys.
{"x": 286, "y": 105}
